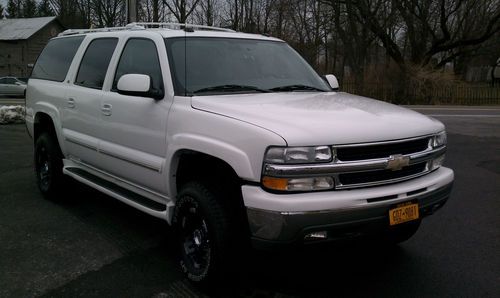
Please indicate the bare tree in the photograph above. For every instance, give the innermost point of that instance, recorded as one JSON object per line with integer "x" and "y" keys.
{"x": 435, "y": 30}
{"x": 357, "y": 40}
{"x": 15, "y": 9}
{"x": 108, "y": 13}
{"x": 207, "y": 12}
{"x": 29, "y": 8}
{"x": 181, "y": 9}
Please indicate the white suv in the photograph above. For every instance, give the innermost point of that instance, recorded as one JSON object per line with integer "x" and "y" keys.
{"x": 232, "y": 138}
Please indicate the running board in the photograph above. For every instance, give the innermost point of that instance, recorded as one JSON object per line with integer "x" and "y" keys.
{"x": 131, "y": 198}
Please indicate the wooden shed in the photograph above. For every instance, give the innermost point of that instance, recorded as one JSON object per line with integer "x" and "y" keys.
{"x": 22, "y": 40}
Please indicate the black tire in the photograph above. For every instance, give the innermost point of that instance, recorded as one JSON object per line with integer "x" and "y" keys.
{"x": 203, "y": 227}
{"x": 402, "y": 232}
{"x": 48, "y": 166}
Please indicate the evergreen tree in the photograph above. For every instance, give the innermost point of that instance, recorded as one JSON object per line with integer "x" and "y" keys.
{"x": 44, "y": 9}
{"x": 14, "y": 9}
{"x": 29, "y": 8}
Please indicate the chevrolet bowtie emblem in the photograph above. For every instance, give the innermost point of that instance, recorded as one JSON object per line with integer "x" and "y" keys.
{"x": 397, "y": 162}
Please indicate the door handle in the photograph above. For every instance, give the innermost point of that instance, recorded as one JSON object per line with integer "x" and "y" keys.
{"x": 106, "y": 109}
{"x": 71, "y": 103}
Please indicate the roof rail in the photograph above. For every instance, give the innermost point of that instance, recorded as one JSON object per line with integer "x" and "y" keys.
{"x": 83, "y": 31}
{"x": 178, "y": 26}
{"x": 144, "y": 25}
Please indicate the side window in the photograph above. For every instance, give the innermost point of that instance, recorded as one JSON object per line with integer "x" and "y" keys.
{"x": 140, "y": 57}
{"x": 3, "y": 81}
{"x": 55, "y": 59}
{"x": 10, "y": 81}
{"x": 95, "y": 63}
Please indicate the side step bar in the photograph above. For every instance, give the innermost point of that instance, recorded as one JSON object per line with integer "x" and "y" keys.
{"x": 131, "y": 198}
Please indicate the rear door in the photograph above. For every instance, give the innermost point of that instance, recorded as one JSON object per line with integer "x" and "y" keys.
{"x": 81, "y": 116}
{"x": 133, "y": 135}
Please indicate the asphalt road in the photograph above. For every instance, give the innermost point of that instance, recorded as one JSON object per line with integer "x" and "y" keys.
{"x": 92, "y": 245}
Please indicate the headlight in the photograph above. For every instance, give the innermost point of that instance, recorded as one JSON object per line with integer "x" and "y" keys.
{"x": 291, "y": 155}
{"x": 439, "y": 139}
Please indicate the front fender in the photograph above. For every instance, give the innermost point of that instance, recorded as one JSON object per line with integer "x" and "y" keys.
{"x": 240, "y": 144}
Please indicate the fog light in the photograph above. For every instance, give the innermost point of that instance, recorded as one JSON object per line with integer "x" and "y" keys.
{"x": 316, "y": 235}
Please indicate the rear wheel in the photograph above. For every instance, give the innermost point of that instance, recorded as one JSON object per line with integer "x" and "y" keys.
{"x": 202, "y": 224}
{"x": 48, "y": 166}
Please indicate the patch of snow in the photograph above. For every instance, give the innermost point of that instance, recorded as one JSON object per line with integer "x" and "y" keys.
{"x": 12, "y": 114}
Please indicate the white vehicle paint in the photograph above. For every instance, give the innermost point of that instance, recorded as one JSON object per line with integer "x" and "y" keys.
{"x": 132, "y": 136}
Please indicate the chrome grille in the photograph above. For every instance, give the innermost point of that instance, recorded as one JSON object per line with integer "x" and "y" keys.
{"x": 373, "y": 151}
{"x": 380, "y": 175}
{"x": 368, "y": 164}
{"x": 411, "y": 149}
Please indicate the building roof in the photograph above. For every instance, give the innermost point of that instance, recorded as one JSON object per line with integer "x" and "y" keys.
{"x": 19, "y": 29}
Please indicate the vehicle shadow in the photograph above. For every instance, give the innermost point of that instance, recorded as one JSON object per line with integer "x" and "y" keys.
{"x": 347, "y": 269}
{"x": 340, "y": 269}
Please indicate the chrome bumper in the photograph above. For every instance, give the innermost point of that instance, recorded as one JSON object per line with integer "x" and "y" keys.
{"x": 278, "y": 227}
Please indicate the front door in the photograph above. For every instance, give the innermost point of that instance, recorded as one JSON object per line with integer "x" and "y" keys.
{"x": 133, "y": 142}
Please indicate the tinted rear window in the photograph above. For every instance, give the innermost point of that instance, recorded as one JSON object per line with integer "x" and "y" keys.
{"x": 95, "y": 62}
{"x": 55, "y": 59}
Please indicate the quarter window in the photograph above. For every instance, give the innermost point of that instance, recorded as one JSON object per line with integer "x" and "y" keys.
{"x": 95, "y": 63}
{"x": 140, "y": 57}
{"x": 55, "y": 59}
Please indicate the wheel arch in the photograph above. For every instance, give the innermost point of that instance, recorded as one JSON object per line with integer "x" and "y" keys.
{"x": 217, "y": 175}
{"x": 44, "y": 122}
{"x": 189, "y": 164}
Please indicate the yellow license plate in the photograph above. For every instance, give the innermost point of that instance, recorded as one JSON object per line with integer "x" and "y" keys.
{"x": 403, "y": 212}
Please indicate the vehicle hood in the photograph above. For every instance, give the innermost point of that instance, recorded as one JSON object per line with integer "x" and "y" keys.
{"x": 321, "y": 118}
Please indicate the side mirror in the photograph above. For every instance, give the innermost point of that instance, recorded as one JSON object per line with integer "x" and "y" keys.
{"x": 332, "y": 80}
{"x": 137, "y": 85}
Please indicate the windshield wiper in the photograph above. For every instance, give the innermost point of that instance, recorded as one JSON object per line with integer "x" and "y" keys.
{"x": 229, "y": 88}
{"x": 296, "y": 88}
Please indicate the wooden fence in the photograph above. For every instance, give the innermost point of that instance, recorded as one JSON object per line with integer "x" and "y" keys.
{"x": 457, "y": 94}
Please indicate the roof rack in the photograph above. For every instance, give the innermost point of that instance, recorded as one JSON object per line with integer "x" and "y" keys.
{"x": 94, "y": 30}
{"x": 179, "y": 26}
{"x": 143, "y": 26}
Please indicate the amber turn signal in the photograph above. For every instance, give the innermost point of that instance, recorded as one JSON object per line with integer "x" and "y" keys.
{"x": 275, "y": 183}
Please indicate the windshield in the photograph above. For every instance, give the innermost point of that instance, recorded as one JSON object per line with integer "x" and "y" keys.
{"x": 229, "y": 65}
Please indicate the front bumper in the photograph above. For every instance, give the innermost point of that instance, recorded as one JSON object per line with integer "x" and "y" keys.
{"x": 287, "y": 219}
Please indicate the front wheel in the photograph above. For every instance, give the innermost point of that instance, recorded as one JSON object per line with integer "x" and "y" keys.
{"x": 202, "y": 225}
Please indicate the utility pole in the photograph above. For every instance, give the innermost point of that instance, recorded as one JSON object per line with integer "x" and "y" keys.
{"x": 131, "y": 11}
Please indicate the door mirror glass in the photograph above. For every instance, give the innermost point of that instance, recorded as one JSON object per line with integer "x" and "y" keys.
{"x": 332, "y": 80}
{"x": 136, "y": 85}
